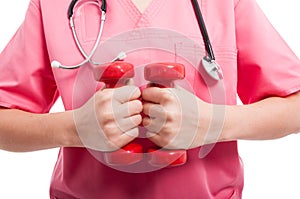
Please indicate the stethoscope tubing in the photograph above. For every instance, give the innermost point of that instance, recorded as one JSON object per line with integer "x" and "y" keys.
{"x": 86, "y": 56}
{"x": 73, "y": 3}
{"x": 208, "y": 60}
{"x": 201, "y": 23}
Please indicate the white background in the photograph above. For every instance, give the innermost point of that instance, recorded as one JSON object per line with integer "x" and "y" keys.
{"x": 272, "y": 168}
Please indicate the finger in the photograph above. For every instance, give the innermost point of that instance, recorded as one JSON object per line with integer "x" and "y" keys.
{"x": 132, "y": 133}
{"x": 130, "y": 82}
{"x": 128, "y": 123}
{"x": 126, "y": 137}
{"x": 153, "y": 124}
{"x": 164, "y": 142}
{"x": 157, "y": 95}
{"x": 126, "y": 93}
{"x": 150, "y": 134}
{"x": 100, "y": 86}
{"x": 153, "y": 110}
{"x": 178, "y": 87}
{"x": 155, "y": 138}
{"x": 151, "y": 94}
{"x": 146, "y": 122}
{"x": 129, "y": 108}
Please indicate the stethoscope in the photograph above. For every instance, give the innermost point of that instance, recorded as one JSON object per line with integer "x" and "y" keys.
{"x": 208, "y": 61}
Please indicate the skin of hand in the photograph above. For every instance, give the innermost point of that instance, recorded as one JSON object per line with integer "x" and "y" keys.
{"x": 110, "y": 119}
{"x": 105, "y": 122}
{"x": 270, "y": 118}
{"x": 179, "y": 120}
{"x": 173, "y": 117}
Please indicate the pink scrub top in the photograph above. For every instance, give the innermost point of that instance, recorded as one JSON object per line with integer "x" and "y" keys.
{"x": 255, "y": 60}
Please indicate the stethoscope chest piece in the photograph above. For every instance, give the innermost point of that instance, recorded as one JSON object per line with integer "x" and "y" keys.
{"x": 212, "y": 68}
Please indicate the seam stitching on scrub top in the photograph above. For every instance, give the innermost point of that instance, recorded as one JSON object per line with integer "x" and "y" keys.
{"x": 35, "y": 5}
{"x": 153, "y": 9}
{"x": 130, "y": 10}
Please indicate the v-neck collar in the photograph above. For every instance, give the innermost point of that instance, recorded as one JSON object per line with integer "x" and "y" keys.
{"x": 141, "y": 19}
{"x": 142, "y": 5}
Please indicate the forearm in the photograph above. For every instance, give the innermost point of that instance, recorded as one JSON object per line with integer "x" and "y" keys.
{"x": 271, "y": 118}
{"x": 22, "y": 131}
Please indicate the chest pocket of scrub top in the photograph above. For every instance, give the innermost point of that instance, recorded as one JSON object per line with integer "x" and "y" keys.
{"x": 189, "y": 54}
{"x": 219, "y": 92}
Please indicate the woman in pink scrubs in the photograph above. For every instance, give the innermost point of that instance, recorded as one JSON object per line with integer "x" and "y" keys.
{"x": 257, "y": 66}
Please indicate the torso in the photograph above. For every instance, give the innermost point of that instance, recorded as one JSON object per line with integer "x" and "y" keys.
{"x": 141, "y": 4}
{"x": 162, "y": 31}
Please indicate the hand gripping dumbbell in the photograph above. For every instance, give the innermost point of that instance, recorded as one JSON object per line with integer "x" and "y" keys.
{"x": 117, "y": 74}
{"x": 163, "y": 75}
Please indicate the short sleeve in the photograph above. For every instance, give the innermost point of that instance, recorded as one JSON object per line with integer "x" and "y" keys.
{"x": 266, "y": 65}
{"x": 26, "y": 78}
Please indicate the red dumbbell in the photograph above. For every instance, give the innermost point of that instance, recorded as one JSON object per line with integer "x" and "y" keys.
{"x": 163, "y": 75}
{"x": 117, "y": 74}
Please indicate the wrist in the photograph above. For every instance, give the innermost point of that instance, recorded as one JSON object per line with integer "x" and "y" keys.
{"x": 233, "y": 123}
{"x": 64, "y": 131}
{"x": 217, "y": 124}
{"x": 221, "y": 123}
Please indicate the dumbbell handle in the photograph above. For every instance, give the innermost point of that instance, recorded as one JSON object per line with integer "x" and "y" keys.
{"x": 117, "y": 74}
{"x": 163, "y": 75}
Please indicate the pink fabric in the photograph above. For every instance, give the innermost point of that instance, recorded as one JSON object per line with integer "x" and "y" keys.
{"x": 256, "y": 63}
{"x": 263, "y": 58}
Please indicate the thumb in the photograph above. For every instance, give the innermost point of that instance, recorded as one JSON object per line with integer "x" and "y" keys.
{"x": 126, "y": 93}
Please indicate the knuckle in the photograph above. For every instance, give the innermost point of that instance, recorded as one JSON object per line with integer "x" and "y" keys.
{"x": 107, "y": 116}
{"x": 172, "y": 116}
{"x": 107, "y": 128}
{"x": 167, "y": 96}
{"x": 139, "y": 104}
{"x": 146, "y": 122}
{"x": 137, "y": 120}
{"x": 161, "y": 111}
{"x": 132, "y": 90}
{"x": 168, "y": 130}
{"x": 103, "y": 97}
{"x": 136, "y": 90}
